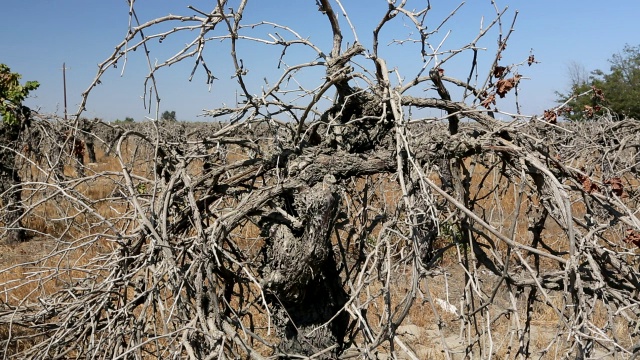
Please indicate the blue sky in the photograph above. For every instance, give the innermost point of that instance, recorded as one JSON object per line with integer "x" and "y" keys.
{"x": 37, "y": 36}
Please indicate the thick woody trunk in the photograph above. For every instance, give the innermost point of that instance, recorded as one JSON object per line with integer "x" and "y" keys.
{"x": 300, "y": 275}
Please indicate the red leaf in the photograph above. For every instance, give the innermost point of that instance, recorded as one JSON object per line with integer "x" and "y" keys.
{"x": 632, "y": 237}
{"x": 588, "y": 185}
{"x": 616, "y": 185}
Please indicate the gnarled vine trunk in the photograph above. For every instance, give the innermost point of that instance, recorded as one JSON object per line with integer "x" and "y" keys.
{"x": 327, "y": 219}
{"x": 300, "y": 274}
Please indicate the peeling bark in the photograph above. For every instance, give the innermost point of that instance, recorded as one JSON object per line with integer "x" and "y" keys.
{"x": 300, "y": 274}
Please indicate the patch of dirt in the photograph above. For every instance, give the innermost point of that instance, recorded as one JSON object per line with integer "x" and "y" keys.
{"x": 24, "y": 252}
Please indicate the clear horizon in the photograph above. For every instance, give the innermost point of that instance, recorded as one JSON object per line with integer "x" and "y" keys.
{"x": 39, "y": 36}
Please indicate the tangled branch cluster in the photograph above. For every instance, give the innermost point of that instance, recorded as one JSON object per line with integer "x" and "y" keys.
{"x": 321, "y": 227}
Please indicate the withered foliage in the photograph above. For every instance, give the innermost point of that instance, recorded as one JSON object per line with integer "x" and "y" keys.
{"x": 616, "y": 185}
{"x": 550, "y": 116}
{"x": 321, "y": 212}
{"x": 531, "y": 59}
{"x": 587, "y": 184}
{"x": 633, "y": 236}
{"x": 489, "y": 100}
{"x": 589, "y": 111}
{"x": 598, "y": 93}
{"x": 505, "y": 85}
{"x": 499, "y": 71}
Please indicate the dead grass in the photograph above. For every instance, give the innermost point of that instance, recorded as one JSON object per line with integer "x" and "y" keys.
{"x": 497, "y": 199}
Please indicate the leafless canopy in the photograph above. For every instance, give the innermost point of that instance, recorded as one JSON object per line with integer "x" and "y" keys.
{"x": 320, "y": 216}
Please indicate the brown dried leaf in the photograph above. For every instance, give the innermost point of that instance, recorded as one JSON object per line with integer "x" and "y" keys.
{"x": 565, "y": 110}
{"x": 499, "y": 71}
{"x": 587, "y": 185}
{"x": 632, "y": 237}
{"x": 503, "y": 86}
{"x": 531, "y": 59}
{"x": 616, "y": 185}
{"x": 588, "y": 111}
{"x": 598, "y": 93}
{"x": 491, "y": 99}
{"x": 550, "y": 116}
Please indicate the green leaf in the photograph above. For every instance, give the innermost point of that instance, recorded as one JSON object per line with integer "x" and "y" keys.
{"x": 31, "y": 85}
{"x": 12, "y": 94}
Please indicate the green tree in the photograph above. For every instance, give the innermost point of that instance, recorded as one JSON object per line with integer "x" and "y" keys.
{"x": 623, "y": 83}
{"x": 169, "y": 116}
{"x": 15, "y": 116}
{"x": 127, "y": 120}
{"x": 12, "y": 94}
{"x": 620, "y": 88}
